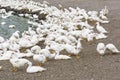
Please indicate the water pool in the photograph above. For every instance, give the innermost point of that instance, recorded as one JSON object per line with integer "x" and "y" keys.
{"x": 20, "y": 23}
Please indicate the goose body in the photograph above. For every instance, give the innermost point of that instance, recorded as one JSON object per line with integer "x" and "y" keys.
{"x": 19, "y": 62}
{"x": 100, "y": 28}
{"x": 100, "y": 36}
{"x": 69, "y": 48}
{"x": 1, "y": 39}
{"x": 60, "y": 56}
{"x": 36, "y": 49}
{"x": 3, "y": 23}
{"x": 12, "y": 26}
{"x": 20, "y": 55}
{"x": 78, "y": 48}
{"x": 34, "y": 69}
{"x": 29, "y": 53}
{"x": 25, "y": 43}
{"x": 6, "y": 55}
{"x": 4, "y": 46}
{"x": 112, "y": 48}
{"x": 40, "y": 58}
{"x": 47, "y": 53}
{"x": 101, "y": 48}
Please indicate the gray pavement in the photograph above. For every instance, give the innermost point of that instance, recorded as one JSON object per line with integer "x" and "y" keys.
{"x": 90, "y": 66}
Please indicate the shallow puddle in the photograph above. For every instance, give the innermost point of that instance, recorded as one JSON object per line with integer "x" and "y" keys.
{"x": 20, "y": 23}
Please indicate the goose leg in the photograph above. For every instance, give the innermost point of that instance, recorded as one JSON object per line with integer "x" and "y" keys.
{"x": 14, "y": 69}
{"x": 39, "y": 64}
{"x": 110, "y": 52}
{"x": 46, "y": 59}
{"x": 77, "y": 56}
{"x": 69, "y": 54}
{"x": 90, "y": 42}
{"x": 84, "y": 39}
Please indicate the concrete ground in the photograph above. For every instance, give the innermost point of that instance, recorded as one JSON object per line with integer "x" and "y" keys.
{"x": 90, "y": 66}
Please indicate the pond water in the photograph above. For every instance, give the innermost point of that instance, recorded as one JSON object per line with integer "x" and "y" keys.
{"x": 20, "y": 23}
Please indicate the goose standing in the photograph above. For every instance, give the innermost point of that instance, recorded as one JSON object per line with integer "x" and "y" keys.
{"x": 17, "y": 63}
{"x": 78, "y": 48}
{"x": 15, "y": 37}
{"x": 47, "y": 53}
{"x": 103, "y": 13}
{"x": 69, "y": 48}
{"x": 100, "y": 29}
{"x": 40, "y": 58}
{"x": 101, "y": 48}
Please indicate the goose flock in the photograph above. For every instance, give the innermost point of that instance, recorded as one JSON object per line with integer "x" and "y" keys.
{"x": 62, "y": 29}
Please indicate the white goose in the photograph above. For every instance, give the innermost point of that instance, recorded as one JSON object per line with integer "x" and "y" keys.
{"x": 112, "y": 48}
{"x": 1, "y": 39}
{"x": 29, "y": 53}
{"x": 21, "y": 15}
{"x": 90, "y": 38}
{"x": 12, "y": 26}
{"x": 47, "y": 53}
{"x": 14, "y": 47}
{"x": 36, "y": 49}
{"x": 56, "y": 46}
{"x": 17, "y": 63}
{"x": 15, "y": 37}
{"x": 62, "y": 39}
{"x": 69, "y": 48}
{"x": 103, "y": 13}
{"x": 100, "y": 36}
{"x": 101, "y": 48}
{"x": 6, "y": 55}
{"x": 100, "y": 29}
{"x": 25, "y": 42}
{"x": 5, "y": 45}
{"x": 3, "y": 23}
{"x": 40, "y": 58}
{"x": 60, "y": 56}
{"x": 34, "y": 69}
{"x": 78, "y": 48}
{"x": 35, "y": 16}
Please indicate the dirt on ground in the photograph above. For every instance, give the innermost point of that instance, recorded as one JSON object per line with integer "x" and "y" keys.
{"x": 90, "y": 66}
